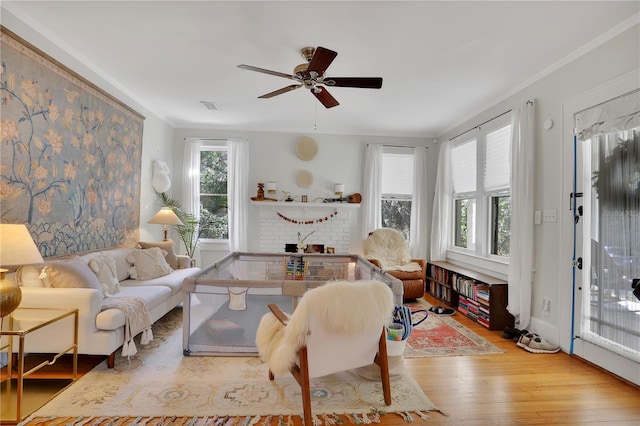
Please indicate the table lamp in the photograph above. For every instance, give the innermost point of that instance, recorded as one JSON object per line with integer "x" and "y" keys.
{"x": 16, "y": 249}
{"x": 166, "y": 216}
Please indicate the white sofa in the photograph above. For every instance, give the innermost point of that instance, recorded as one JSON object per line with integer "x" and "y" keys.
{"x": 100, "y": 332}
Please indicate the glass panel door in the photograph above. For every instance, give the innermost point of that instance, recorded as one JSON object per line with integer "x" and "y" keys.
{"x": 610, "y": 314}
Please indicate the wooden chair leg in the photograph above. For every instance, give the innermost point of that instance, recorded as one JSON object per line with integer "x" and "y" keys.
{"x": 111, "y": 360}
{"x": 271, "y": 376}
{"x": 382, "y": 361}
{"x": 301, "y": 375}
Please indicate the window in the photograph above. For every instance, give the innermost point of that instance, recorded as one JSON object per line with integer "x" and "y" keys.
{"x": 481, "y": 191}
{"x": 214, "y": 221}
{"x": 463, "y": 158}
{"x": 397, "y": 189}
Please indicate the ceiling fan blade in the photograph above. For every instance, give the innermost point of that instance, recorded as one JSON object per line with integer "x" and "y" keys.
{"x": 361, "y": 82}
{"x": 325, "y": 97}
{"x": 280, "y": 91}
{"x": 321, "y": 60}
{"x": 264, "y": 71}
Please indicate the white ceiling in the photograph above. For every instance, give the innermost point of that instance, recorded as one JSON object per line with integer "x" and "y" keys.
{"x": 442, "y": 62}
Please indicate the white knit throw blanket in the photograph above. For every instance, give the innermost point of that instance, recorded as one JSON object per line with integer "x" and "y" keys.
{"x": 137, "y": 319}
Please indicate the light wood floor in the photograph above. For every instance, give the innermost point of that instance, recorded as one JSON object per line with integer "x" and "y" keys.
{"x": 519, "y": 387}
{"x": 516, "y": 387}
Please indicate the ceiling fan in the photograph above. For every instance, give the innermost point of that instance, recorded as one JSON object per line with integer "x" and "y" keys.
{"x": 311, "y": 76}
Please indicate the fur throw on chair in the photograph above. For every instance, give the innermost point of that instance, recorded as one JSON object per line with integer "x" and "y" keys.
{"x": 342, "y": 307}
{"x": 390, "y": 249}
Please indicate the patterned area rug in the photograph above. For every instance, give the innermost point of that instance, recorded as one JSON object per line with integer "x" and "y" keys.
{"x": 444, "y": 336}
{"x": 160, "y": 384}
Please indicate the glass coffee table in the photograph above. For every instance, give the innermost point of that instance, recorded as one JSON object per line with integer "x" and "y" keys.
{"x": 223, "y": 303}
{"x": 20, "y": 393}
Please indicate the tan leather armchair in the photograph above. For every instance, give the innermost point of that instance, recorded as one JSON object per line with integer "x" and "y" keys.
{"x": 388, "y": 250}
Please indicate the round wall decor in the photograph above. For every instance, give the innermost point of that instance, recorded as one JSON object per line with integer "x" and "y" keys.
{"x": 306, "y": 148}
{"x": 304, "y": 178}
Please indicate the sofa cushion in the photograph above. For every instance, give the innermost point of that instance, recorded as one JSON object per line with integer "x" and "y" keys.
{"x": 70, "y": 273}
{"x": 173, "y": 280}
{"x": 148, "y": 264}
{"x": 104, "y": 266}
{"x": 167, "y": 246}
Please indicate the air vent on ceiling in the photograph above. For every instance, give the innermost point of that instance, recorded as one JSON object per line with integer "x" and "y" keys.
{"x": 209, "y": 105}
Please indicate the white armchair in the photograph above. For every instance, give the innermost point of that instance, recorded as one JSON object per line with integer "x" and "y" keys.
{"x": 340, "y": 317}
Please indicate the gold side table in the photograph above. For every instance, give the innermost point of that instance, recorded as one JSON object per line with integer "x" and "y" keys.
{"x": 17, "y": 402}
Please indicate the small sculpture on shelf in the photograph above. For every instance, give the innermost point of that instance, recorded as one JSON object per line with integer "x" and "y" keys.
{"x": 260, "y": 196}
{"x": 302, "y": 246}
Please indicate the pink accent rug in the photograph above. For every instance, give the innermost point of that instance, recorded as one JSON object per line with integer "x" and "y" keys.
{"x": 444, "y": 336}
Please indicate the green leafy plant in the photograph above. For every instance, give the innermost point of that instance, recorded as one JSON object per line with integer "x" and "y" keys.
{"x": 190, "y": 231}
{"x": 617, "y": 182}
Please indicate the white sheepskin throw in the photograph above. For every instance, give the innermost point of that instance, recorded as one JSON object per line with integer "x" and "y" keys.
{"x": 342, "y": 307}
{"x": 389, "y": 247}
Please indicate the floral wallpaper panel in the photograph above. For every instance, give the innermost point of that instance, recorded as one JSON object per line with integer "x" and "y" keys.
{"x": 70, "y": 155}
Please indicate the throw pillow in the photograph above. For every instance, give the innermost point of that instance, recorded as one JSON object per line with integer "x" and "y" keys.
{"x": 104, "y": 266}
{"x": 167, "y": 246}
{"x": 71, "y": 273}
{"x": 148, "y": 264}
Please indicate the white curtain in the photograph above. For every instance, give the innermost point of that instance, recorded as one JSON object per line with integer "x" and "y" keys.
{"x": 522, "y": 208}
{"x": 372, "y": 190}
{"x": 418, "y": 227}
{"x": 442, "y": 205}
{"x": 238, "y": 194}
{"x": 191, "y": 177}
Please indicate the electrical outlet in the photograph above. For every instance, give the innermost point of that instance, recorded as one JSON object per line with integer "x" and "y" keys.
{"x": 549, "y": 215}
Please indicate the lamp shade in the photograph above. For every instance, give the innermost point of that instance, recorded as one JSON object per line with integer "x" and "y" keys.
{"x": 166, "y": 216}
{"x": 17, "y": 246}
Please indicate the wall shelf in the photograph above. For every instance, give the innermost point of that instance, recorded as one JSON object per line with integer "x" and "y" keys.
{"x": 281, "y": 204}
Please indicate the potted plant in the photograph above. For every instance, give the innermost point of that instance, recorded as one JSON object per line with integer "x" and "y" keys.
{"x": 189, "y": 232}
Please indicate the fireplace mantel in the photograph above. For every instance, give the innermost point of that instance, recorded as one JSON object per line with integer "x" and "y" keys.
{"x": 281, "y": 204}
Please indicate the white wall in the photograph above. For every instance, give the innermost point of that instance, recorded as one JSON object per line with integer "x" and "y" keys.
{"x": 552, "y": 262}
{"x": 340, "y": 159}
{"x": 157, "y": 139}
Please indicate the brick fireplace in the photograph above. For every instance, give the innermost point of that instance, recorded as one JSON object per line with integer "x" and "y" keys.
{"x": 281, "y": 222}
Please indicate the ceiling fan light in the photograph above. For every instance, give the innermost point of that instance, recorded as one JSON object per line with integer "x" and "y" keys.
{"x": 300, "y": 69}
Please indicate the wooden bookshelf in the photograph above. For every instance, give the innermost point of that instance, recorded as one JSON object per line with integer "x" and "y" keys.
{"x": 481, "y": 297}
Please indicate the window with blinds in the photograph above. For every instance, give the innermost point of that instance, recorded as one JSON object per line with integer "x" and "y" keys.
{"x": 497, "y": 176}
{"x": 397, "y": 188}
{"x": 464, "y": 179}
{"x": 481, "y": 174}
